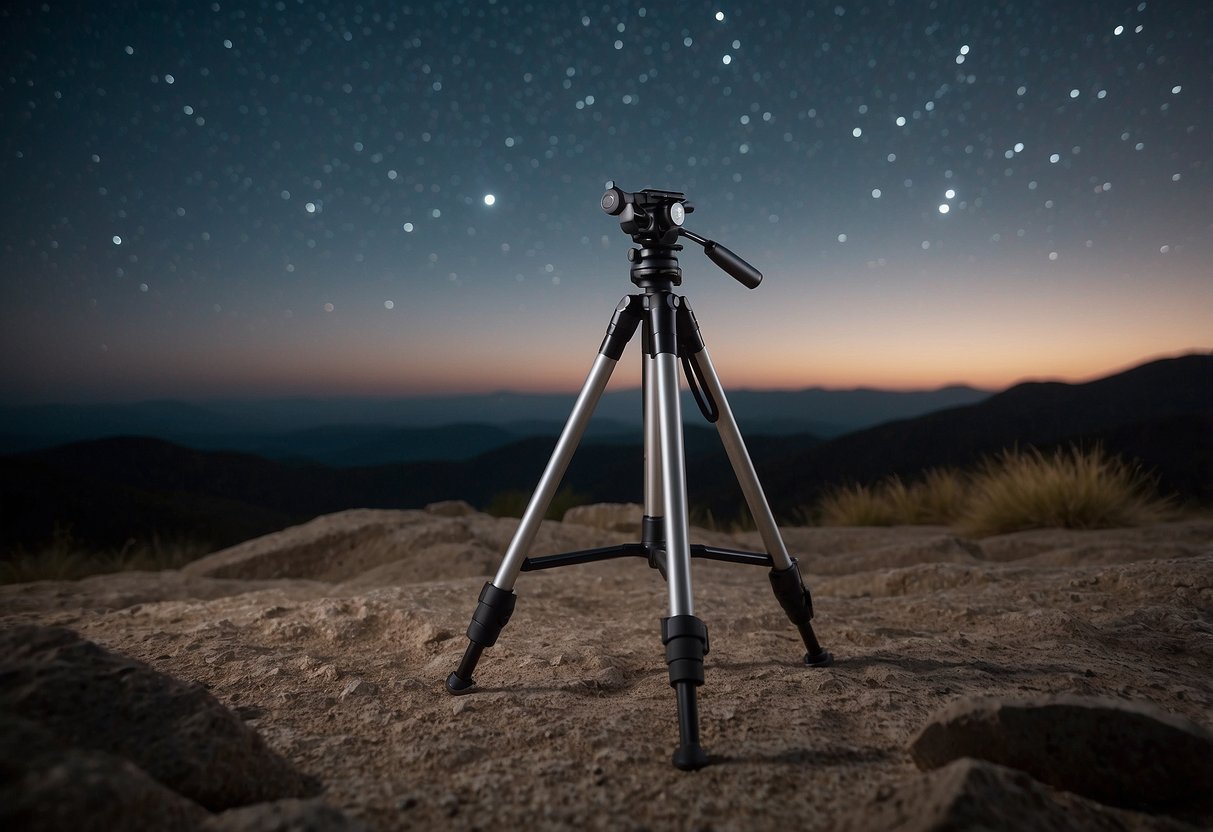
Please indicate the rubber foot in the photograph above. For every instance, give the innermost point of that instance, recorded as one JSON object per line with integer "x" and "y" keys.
{"x": 457, "y": 686}
{"x": 823, "y": 659}
{"x": 690, "y": 757}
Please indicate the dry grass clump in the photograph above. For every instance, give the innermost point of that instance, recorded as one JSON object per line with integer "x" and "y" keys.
{"x": 937, "y": 499}
{"x": 65, "y": 559}
{"x": 858, "y": 505}
{"x": 1072, "y": 489}
{"x": 1076, "y": 489}
{"x": 514, "y": 503}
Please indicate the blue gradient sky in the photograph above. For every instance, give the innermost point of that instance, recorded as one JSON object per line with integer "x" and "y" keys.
{"x": 278, "y": 198}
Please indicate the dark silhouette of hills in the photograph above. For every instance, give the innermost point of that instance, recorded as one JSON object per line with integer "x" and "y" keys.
{"x": 1159, "y": 414}
{"x": 349, "y": 446}
{"x": 351, "y": 432}
{"x": 107, "y": 491}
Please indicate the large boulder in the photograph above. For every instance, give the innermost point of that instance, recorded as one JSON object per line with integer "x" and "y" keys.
{"x": 1120, "y": 753}
{"x": 973, "y": 795}
{"x": 90, "y": 699}
{"x": 45, "y": 785}
{"x": 284, "y": 816}
{"x": 616, "y": 517}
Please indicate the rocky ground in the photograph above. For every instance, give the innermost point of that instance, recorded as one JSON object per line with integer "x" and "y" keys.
{"x": 331, "y": 641}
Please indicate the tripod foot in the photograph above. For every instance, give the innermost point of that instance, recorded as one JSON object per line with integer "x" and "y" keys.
{"x": 798, "y": 604}
{"x": 492, "y": 614}
{"x": 823, "y": 659}
{"x": 690, "y": 757}
{"x": 686, "y": 642}
{"x": 457, "y": 686}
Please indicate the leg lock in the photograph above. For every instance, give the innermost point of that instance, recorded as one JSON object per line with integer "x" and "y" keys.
{"x": 791, "y": 593}
{"x": 492, "y": 614}
{"x": 686, "y": 643}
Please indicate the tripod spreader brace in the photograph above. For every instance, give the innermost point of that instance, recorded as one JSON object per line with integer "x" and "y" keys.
{"x": 495, "y": 606}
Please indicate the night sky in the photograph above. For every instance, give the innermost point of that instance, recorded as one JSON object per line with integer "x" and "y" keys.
{"x": 240, "y": 199}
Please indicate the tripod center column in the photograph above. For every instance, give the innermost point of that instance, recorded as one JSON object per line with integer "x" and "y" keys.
{"x": 662, "y": 307}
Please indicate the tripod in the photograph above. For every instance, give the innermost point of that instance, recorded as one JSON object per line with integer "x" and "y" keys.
{"x": 669, "y": 334}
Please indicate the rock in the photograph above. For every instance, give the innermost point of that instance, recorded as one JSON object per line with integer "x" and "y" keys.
{"x": 91, "y": 699}
{"x": 532, "y": 748}
{"x": 1119, "y": 753}
{"x": 357, "y": 687}
{"x": 450, "y": 508}
{"x": 331, "y": 548}
{"x": 374, "y": 547}
{"x": 618, "y": 517}
{"x": 942, "y": 548}
{"x": 972, "y": 795}
{"x": 47, "y": 786}
{"x": 326, "y": 673}
{"x": 328, "y": 548}
{"x": 284, "y": 816}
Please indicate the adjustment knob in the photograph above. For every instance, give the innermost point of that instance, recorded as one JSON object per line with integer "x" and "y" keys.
{"x": 613, "y": 201}
{"x": 676, "y": 213}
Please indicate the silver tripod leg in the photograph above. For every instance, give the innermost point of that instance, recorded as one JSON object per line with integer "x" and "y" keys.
{"x": 653, "y": 499}
{"x": 685, "y": 637}
{"x": 673, "y": 485}
{"x": 743, "y": 467}
{"x": 496, "y": 602}
{"x": 785, "y": 576}
{"x": 566, "y": 445}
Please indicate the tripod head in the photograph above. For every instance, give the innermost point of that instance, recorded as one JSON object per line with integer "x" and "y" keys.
{"x": 653, "y": 219}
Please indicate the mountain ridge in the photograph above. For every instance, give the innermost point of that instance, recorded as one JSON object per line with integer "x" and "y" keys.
{"x": 278, "y": 427}
{"x": 1159, "y": 415}
{"x": 1031, "y": 414}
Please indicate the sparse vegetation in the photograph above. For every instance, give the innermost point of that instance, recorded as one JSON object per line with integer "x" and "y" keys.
{"x": 65, "y": 559}
{"x": 1072, "y": 489}
{"x": 1015, "y": 490}
{"x": 858, "y": 505}
{"x": 736, "y": 522}
{"x": 514, "y": 503}
{"x": 938, "y": 498}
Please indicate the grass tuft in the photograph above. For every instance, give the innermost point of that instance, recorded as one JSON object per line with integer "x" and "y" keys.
{"x": 1015, "y": 490}
{"x": 858, "y": 505}
{"x": 1071, "y": 489}
{"x": 514, "y": 503}
{"x": 65, "y": 559}
{"x": 936, "y": 500}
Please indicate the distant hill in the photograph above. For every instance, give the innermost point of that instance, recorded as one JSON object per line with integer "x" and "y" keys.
{"x": 106, "y": 491}
{"x": 352, "y": 432}
{"x": 1159, "y": 414}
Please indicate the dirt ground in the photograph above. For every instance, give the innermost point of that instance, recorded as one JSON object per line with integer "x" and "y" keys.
{"x": 333, "y": 640}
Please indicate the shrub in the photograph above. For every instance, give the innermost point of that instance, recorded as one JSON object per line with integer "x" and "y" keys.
{"x": 1015, "y": 490}
{"x": 1072, "y": 489}
{"x": 65, "y": 559}
{"x": 514, "y": 503}
{"x": 940, "y": 498}
{"x": 736, "y": 522}
{"x": 857, "y": 505}
{"x": 936, "y": 500}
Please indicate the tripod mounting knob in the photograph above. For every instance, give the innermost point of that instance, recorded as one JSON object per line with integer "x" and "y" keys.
{"x": 613, "y": 201}
{"x": 654, "y": 220}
